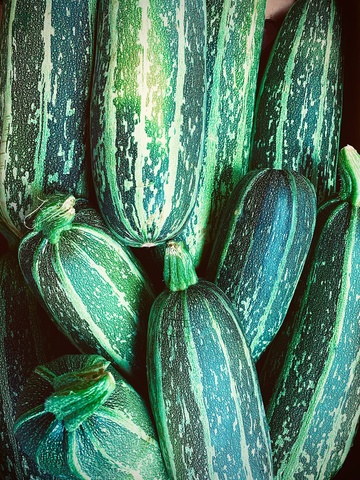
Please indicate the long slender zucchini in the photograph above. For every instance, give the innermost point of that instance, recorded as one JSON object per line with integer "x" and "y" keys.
{"x": 92, "y": 286}
{"x": 299, "y": 105}
{"x": 314, "y": 409}
{"x": 77, "y": 418}
{"x": 234, "y": 36}
{"x": 46, "y": 52}
{"x": 203, "y": 386}
{"x": 27, "y": 338}
{"x": 260, "y": 249}
{"x": 147, "y": 115}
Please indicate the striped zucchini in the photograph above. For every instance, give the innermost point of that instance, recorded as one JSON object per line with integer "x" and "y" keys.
{"x": 92, "y": 286}
{"x": 46, "y": 51}
{"x": 147, "y": 115}
{"x": 260, "y": 249}
{"x": 234, "y": 35}
{"x": 299, "y": 103}
{"x": 314, "y": 410}
{"x": 27, "y": 338}
{"x": 78, "y": 418}
{"x": 203, "y": 386}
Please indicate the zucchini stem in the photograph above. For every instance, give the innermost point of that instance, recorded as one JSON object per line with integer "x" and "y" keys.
{"x": 179, "y": 270}
{"x": 77, "y": 395}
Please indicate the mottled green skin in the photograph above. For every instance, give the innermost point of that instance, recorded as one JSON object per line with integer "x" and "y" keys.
{"x": 117, "y": 441}
{"x": 95, "y": 290}
{"x": 314, "y": 406}
{"x": 147, "y": 115}
{"x": 27, "y": 338}
{"x": 203, "y": 388}
{"x": 261, "y": 247}
{"x": 234, "y": 36}
{"x": 46, "y": 53}
{"x": 299, "y": 105}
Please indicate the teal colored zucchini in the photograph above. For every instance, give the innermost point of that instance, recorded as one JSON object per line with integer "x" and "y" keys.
{"x": 299, "y": 104}
{"x": 234, "y": 36}
{"x": 261, "y": 247}
{"x": 27, "y": 338}
{"x": 314, "y": 408}
{"x": 77, "y": 418}
{"x": 93, "y": 287}
{"x": 147, "y": 115}
{"x": 203, "y": 386}
{"x": 46, "y": 52}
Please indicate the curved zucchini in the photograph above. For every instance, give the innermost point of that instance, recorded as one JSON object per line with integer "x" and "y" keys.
{"x": 203, "y": 386}
{"x": 299, "y": 105}
{"x": 260, "y": 249}
{"x": 147, "y": 115}
{"x": 93, "y": 287}
{"x": 314, "y": 409}
{"x": 46, "y": 53}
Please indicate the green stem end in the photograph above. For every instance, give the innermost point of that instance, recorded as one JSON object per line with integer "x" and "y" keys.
{"x": 179, "y": 270}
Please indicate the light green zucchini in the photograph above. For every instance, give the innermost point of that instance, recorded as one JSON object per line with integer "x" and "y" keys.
{"x": 147, "y": 115}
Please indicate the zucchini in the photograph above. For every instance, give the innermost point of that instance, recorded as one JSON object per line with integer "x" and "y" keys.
{"x": 234, "y": 36}
{"x": 92, "y": 286}
{"x": 46, "y": 52}
{"x": 78, "y": 418}
{"x": 260, "y": 249}
{"x": 203, "y": 386}
{"x": 27, "y": 338}
{"x": 299, "y": 104}
{"x": 147, "y": 115}
{"x": 314, "y": 408}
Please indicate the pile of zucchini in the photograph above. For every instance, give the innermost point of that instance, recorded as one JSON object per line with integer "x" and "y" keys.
{"x": 180, "y": 242}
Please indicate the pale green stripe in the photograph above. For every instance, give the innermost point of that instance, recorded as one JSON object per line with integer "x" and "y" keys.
{"x": 121, "y": 251}
{"x": 262, "y": 325}
{"x": 234, "y": 387}
{"x": 45, "y": 90}
{"x": 77, "y": 302}
{"x": 263, "y": 424}
{"x": 175, "y": 129}
{"x": 319, "y": 133}
{"x": 7, "y": 125}
{"x": 297, "y": 448}
{"x": 109, "y": 163}
{"x": 331, "y": 442}
{"x": 244, "y": 131}
{"x": 285, "y": 91}
{"x": 146, "y": 107}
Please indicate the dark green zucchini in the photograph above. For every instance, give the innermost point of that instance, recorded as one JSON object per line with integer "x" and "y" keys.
{"x": 93, "y": 287}
{"x": 234, "y": 36}
{"x": 203, "y": 385}
{"x": 77, "y": 418}
{"x": 260, "y": 249}
{"x": 27, "y": 338}
{"x": 299, "y": 104}
{"x": 147, "y": 115}
{"x": 46, "y": 52}
{"x": 313, "y": 410}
